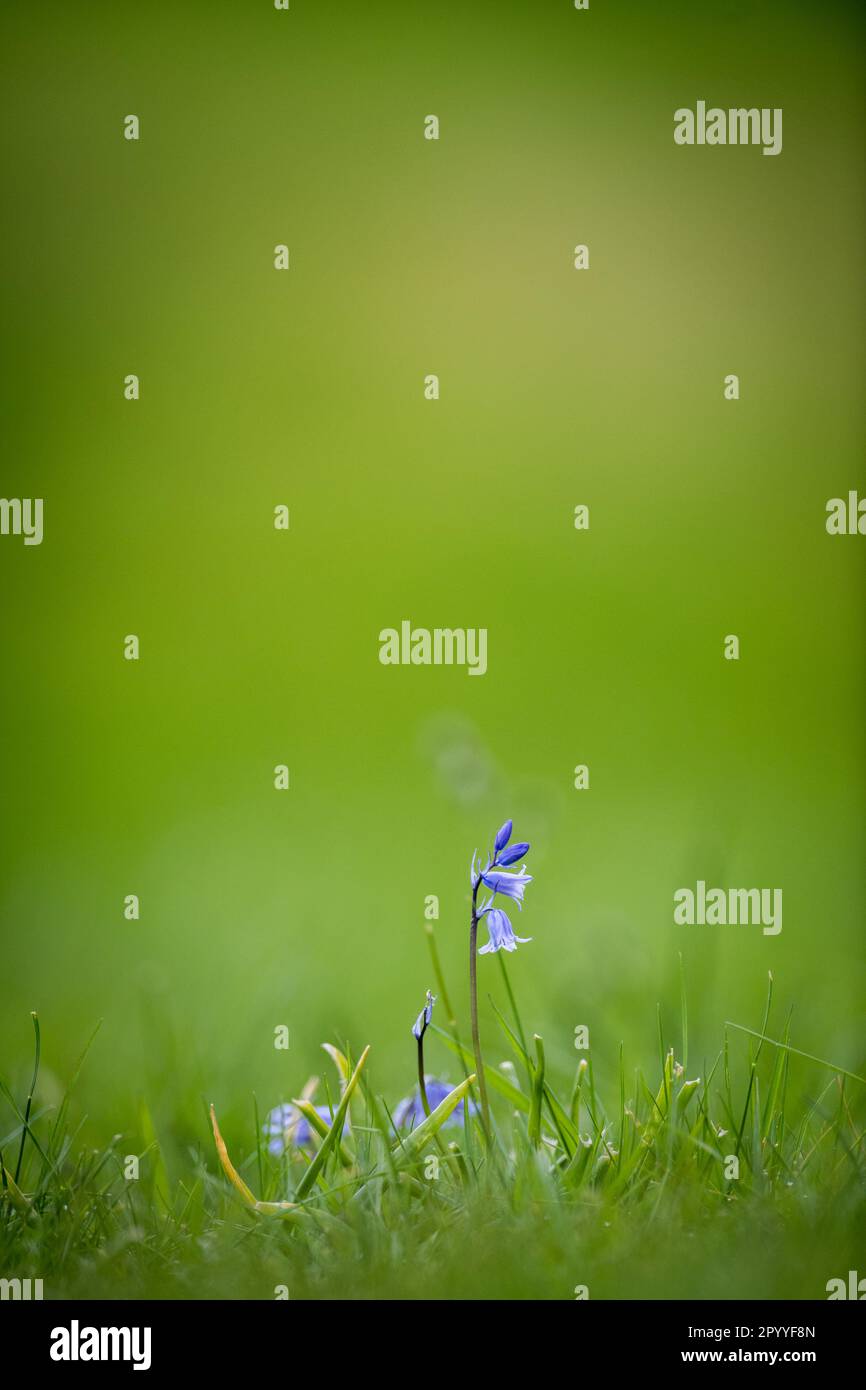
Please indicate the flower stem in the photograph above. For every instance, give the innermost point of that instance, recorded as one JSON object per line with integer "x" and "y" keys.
{"x": 421, "y": 1087}
{"x": 473, "y": 1004}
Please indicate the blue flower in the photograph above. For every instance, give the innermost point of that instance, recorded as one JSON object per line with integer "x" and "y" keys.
{"x": 410, "y": 1111}
{"x": 501, "y": 855}
{"x": 502, "y": 936}
{"x": 286, "y": 1125}
{"x": 419, "y": 1027}
{"x": 503, "y": 835}
{"x": 509, "y": 885}
{"x": 512, "y": 855}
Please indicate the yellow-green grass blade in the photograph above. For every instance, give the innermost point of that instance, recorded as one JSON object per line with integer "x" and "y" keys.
{"x": 334, "y": 1133}
{"x": 234, "y": 1177}
{"x": 316, "y": 1122}
{"x": 343, "y": 1062}
{"x": 537, "y": 1075}
{"x": 412, "y": 1145}
{"x": 16, "y": 1196}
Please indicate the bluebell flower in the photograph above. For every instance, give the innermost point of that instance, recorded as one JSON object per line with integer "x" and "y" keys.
{"x": 419, "y": 1027}
{"x": 496, "y": 877}
{"x": 509, "y": 885}
{"x": 286, "y": 1125}
{"x": 502, "y": 936}
{"x": 410, "y": 1111}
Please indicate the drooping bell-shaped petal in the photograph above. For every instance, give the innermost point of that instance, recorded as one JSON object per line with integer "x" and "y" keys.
{"x": 509, "y": 885}
{"x": 502, "y": 936}
{"x": 503, "y": 835}
{"x": 512, "y": 854}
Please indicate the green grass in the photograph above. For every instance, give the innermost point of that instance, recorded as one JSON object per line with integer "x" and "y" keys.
{"x": 625, "y": 1193}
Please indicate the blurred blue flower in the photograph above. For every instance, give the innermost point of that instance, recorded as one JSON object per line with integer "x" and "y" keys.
{"x": 501, "y": 931}
{"x": 286, "y": 1125}
{"x": 410, "y": 1111}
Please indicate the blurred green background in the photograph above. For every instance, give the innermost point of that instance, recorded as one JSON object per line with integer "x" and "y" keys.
{"x": 260, "y": 647}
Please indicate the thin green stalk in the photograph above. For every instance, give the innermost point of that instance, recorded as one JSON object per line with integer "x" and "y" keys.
{"x": 795, "y": 1051}
{"x": 537, "y": 1096}
{"x": 440, "y": 981}
{"x": 29, "y": 1104}
{"x": 516, "y": 1016}
{"x": 684, "y": 1014}
{"x": 473, "y": 1004}
{"x": 258, "y": 1132}
{"x": 421, "y": 1086}
{"x": 437, "y": 971}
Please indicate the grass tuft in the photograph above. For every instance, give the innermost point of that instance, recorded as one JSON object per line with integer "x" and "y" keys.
{"x": 743, "y": 1179}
